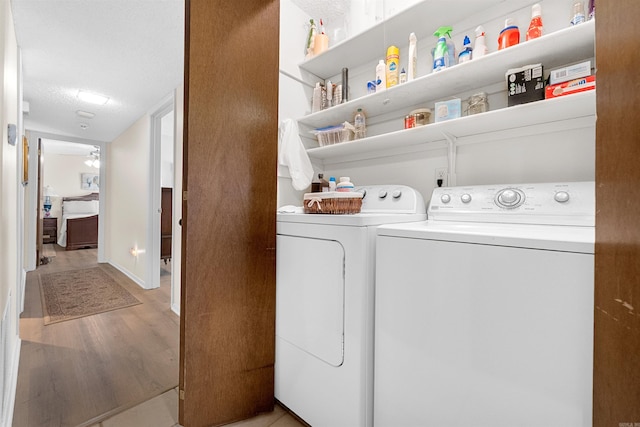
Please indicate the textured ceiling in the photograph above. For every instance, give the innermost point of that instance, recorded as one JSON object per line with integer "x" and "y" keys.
{"x": 128, "y": 50}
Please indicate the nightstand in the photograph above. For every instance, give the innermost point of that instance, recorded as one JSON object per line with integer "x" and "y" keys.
{"x": 49, "y": 230}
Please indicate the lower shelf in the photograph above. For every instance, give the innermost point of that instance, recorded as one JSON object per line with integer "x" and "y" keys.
{"x": 557, "y": 114}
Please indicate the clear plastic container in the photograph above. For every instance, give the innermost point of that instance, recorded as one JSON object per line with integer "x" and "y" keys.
{"x": 477, "y": 103}
{"x": 334, "y": 134}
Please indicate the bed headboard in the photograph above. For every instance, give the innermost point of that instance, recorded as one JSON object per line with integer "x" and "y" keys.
{"x": 86, "y": 198}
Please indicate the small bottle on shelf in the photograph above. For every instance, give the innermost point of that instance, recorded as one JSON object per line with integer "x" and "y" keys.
{"x": 324, "y": 184}
{"x": 535, "y": 27}
{"x": 332, "y": 183}
{"x": 360, "y": 123}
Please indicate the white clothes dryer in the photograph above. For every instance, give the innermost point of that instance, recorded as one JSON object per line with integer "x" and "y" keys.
{"x": 484, "y": 313}
{"x": 324, "y": 306}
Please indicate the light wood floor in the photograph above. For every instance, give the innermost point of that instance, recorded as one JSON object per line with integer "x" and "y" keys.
{"x": 77, "y": 372}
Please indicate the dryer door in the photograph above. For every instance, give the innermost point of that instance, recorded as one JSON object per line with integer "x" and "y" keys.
{"x": 310, "y": 296}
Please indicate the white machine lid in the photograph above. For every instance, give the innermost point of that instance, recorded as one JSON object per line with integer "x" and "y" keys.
{"x": 530, "y": 236}
{"x": 381, "y": 204}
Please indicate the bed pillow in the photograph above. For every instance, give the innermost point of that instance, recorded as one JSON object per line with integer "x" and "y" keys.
{"x": 80, "y": 207}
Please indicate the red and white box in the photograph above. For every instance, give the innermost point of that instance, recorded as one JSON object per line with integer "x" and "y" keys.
{"x": 572, "y": 86}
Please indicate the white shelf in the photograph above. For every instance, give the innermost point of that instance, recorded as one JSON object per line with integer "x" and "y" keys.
{"x": 423, "y": 19}
{"x": 548, "y": 115}
{"x": 568, "y": 45}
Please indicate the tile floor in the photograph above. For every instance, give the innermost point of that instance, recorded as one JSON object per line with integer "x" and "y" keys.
{"x": 162, "y": 411}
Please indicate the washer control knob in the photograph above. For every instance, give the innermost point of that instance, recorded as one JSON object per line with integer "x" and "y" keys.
{"x": 466, "y": 198}
{"x": 396, "y": 194}
{"x": 561, "y": 197}
{"x": 509, "y": 197}
{"x": 382, "y": 194}
{"x": 445, "y": 198}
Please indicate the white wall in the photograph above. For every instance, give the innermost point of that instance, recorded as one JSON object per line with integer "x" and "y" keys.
{"x": 542, "y": 157}
{"x": 127, "y": 200}
{"x": 10, "y": 278}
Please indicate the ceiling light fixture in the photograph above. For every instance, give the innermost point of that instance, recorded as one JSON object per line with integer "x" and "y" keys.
{"x": 85, "y": 114}
{"x": 92, "y": 98}
{"x": 94, "y": 158}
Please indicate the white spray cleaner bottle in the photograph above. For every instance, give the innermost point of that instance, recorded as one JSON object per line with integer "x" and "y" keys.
{"x": 480, "y": 49}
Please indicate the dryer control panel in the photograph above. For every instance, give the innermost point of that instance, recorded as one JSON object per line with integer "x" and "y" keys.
{"x": 568, "y": 203}
{"x": 391, "y": 199}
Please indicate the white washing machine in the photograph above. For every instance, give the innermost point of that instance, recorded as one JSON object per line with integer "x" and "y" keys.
{"x": 324, "y": 306}
{"x": 484, "y": 313}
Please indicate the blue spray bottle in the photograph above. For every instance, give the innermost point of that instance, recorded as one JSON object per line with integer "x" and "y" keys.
{"x": 465, "y": 55}
{"x": 441, "y": 51}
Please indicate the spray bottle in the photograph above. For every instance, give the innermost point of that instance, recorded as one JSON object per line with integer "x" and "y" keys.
{"x": 441, "y": 51}
{"x": 480, "y": 49}
{"x": 465, "y": 55}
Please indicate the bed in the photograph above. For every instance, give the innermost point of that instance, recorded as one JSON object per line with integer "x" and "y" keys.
{"x": 79, "y": 226}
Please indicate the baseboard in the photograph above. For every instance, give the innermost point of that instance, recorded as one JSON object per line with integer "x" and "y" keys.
{"x": 128, "y": 274}
{"x": 175, "y": 309}
{"x": 7, "y": 418}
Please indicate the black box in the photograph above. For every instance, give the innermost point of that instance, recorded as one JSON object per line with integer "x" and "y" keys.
{"x": 525, "y": 84}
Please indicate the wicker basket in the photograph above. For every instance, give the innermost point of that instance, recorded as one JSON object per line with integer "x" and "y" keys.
{"x": 333, "y": 202}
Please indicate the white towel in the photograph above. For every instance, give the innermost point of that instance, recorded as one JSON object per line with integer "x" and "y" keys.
{"x": 292, "y": 154}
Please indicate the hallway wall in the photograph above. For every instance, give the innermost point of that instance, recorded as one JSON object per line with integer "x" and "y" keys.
{"x": 128, "y": 199}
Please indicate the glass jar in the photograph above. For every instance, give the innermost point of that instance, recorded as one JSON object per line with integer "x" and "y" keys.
{"x": 477, "y": 103}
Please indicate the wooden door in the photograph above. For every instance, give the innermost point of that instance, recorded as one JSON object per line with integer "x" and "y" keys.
{"x": 617, "y": 260}
{"x": 227, "y": 336}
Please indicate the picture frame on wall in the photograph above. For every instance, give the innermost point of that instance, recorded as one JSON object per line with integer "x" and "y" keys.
{"x": 89, "y": 181}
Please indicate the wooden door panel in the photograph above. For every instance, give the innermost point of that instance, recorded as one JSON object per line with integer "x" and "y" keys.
{"x": 229, "y": 182}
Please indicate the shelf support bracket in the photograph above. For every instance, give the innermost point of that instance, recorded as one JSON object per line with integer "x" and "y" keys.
{"x": 452, "y": 148}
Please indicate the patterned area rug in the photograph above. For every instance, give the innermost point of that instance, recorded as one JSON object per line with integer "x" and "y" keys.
{"x": 71, "y": 294}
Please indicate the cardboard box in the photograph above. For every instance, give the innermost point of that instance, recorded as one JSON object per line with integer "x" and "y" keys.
{"x": 573, "y": 86}
{"x": 570, "y": 72}
{"x": 447, "y": 110}
{"x": 525, "y": 84}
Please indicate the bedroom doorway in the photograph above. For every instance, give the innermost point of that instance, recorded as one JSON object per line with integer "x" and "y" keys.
{"x": 69, "y": 176}
{"x": 165, "y": 183}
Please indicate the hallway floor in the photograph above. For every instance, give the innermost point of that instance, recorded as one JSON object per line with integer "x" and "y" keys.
{"x": 118, "y": 368}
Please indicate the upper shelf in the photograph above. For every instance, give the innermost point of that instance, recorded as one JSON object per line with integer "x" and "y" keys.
{"x": 422, "y": 19}
{"x": 562, "y": 47}
{"x": 547, "y": 115}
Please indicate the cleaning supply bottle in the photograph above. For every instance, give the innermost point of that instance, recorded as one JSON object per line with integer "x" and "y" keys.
{"x": 509, "y": 36}
{"x": 403, "y": 76}
{"x": 441, "y": 52}
{"x": 451, "y": 47}
{"x": 332, "y": 183}
{"x": 578, "y": 13}
{"x": 311, "y": 36}
{"x": 535, "y": 26}
{"x": 480, "y": 49}
{"x": 360, "y": 123}
{"x": 321, "y": 41}
{"x": 381, "y": 76}
{"x": 393, "y": 61}
{"x": 465, "y": 55}
{"x": 412, "y": 63}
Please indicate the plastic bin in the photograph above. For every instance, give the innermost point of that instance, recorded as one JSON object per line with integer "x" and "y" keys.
{"x": 334, "y": 134}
